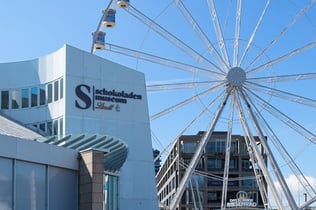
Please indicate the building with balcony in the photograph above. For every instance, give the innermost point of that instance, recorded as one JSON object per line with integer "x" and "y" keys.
{"x": 206, "y": 184}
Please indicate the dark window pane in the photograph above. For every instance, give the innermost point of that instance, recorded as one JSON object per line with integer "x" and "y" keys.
{"x": 25, "y": 98}
{"x": 34, "y": 96}
{"x": 42, "y": 95}
{"x": 56, "y": 88}
{"x": 61, "y": 84}
{"x": 49, "y": 93}
{"x": 5, "y": 99}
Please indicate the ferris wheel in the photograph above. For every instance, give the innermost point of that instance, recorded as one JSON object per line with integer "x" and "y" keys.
{"x": 246, "y": 67}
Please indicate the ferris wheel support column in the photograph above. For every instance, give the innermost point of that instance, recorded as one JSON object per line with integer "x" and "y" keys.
{"x": 197, "y": 155}
{"x": 258, "y": 156}
{"x": 268, "y": 151}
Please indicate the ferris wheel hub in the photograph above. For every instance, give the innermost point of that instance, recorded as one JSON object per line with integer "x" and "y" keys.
{"x": 236, "y": 76}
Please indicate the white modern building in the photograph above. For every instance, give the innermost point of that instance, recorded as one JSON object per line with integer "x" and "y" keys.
{"x": 72, "y": 93}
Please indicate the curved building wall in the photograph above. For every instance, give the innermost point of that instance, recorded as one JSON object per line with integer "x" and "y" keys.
{"x": 96, "y": 96}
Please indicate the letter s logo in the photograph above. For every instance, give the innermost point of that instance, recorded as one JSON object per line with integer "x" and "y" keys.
{"x": 83, "y": 91}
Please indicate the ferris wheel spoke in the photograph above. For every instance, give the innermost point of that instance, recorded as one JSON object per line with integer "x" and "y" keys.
{"x": 200, "y": 148}
{"x": 283, "y": 57}
{"x": 250, "y": 41}
{"x": 283, "y": 31}
{"x": 256, "y": 157}
{"x": 160, "y": 60}
{"x": 269, "y": 153}
{"x": 284, "y": 95}
{"x": 218, "y": 31}
{"x": 237, "y": 32}
{"x": 199, "y": 31}
{"x": 283, "y": 118}
{"x": 227, "y": 154}
{"x": 182, "y": 85}
{"x": 284, "y": 78}
{"x": 170, "y": 37}
{"x": 206, "y": 108}
{"x": 281, "y": 149}
{"x": 186, "y": 101}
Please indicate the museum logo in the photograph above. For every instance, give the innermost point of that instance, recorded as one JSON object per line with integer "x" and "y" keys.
{"x": 90, "y": 97}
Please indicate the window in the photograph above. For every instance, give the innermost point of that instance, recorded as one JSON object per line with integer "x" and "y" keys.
{"x": 249, "y": 183}
{"x": 189, "y": 147}
{"x": 61, "y": 126}
{"x": 30, "y": 186}
{"x": 55, "y": 127}
{"x": 25, "y": 98}
{"x": 233, "y": 164}
{"x": 49, "y": 93}
{"x": 49, "y": 128}
{"x": 111, "y": 191}
{"x": 42, "y": 127}
{"x": 214, "y": 164}
{"x": 6, "y": 183}
{"x": 15, "y": 99}
{"x": 63, "y": 189}
{"x": 5, "y": 99}
{"x": 34, "y": 96}
{"x": 245, "y": 165}
{"x": 42, "y": 95}
{"x": 56, "y": 90}
{"x": 217, "y": 146}
{"x": 61, "y": 84}
{"x": 211, "y": 197}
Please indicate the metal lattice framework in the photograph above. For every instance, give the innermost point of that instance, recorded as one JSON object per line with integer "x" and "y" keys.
{"x": 248, "y": 66}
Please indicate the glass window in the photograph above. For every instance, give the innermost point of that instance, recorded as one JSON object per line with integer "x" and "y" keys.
{"x": 63, "y": 189}
{"x": 233, "y": 164}
{"x": 211, "y": 197}
{"x": 213, "y": 164}
{"x": 49, "y": 93}
{"x": 6, "y": 183}
{"x": 49, "y": 128}
{"x": 245, "y": 165}
{"x": 61, "y": 126}
{"x": 249, "y": 183}
{"x": 34, "y": 96}
{"x": 189, "y": 147}
{"x": 56, "y": 90}
{"x": 55, "y": 127}
{"x": 5, "y": 99}
{"x": 25, "y": 98}
{"x": 42, "y": 95}
{"x": 61, "y": 83}
{"x": 30, "y": 186}
{"x": 110, "y": 192}
{"x": 15, "y": 99}
{"x": 42, "y": 127}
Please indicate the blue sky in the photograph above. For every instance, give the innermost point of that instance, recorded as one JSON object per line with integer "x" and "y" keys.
{"x": 34, "y": 28}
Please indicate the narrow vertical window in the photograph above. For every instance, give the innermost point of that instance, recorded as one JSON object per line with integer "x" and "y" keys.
{"x": 50, "y": 128}
{"x": 61, "y": 85}
{"x": 55, "y": 127}
{"x": 15, "y": 99}
{"x": 49, "y": 93}
{"x": 34, "y": 96}
{"x": 25, "y": 98}
{"x": 61, "y": 126}
{"x": 5, "y": 99}
{"x": 56, "y": 90}
{"x": 42, "y": 95}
